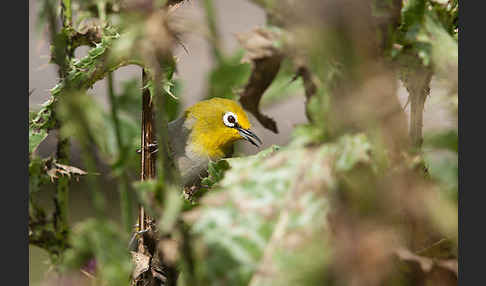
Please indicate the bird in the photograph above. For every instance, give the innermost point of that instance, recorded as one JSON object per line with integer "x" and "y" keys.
{"x": 206, "y": 132}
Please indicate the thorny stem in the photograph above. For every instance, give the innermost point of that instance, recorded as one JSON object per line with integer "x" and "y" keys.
{"x": 53, "y": 241}
{"x": 61, "y": 223}
{"x": 148, "y": 158}
{"x": 147, "y": 172}
{"x": 166, "y": 175}
{"x": 61, "y": 200}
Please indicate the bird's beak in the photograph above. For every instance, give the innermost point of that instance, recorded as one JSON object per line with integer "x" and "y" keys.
{"x": 248, "y": 135}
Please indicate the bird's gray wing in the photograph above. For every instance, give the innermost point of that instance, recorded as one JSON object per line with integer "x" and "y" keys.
{"x": 191, "y": 166}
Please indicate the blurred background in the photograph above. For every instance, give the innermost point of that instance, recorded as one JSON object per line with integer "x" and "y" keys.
{"x": 233, "y": 16}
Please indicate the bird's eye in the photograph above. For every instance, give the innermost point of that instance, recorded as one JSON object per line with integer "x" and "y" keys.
{"x": 229, "y": 119}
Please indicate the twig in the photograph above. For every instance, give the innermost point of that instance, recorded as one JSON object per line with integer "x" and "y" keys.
{"x": 148, "y": 158}
{"x": 416, "y": 78}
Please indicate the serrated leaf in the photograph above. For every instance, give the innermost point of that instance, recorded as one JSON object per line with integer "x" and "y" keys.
{"x": 255, "y": 200}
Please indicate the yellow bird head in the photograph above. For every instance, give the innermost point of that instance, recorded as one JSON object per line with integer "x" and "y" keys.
{"x": 215, "y": 125}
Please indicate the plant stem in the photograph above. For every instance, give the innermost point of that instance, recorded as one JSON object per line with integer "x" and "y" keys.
{"x": 417, "y": 103}
{"x": 88, "y": 151}
{"x": 214, "y": 35}
{"x": 67, "y": 18}
{"x": 166, "y": 176}
{"x": 416, "y": 79}
{"x": 123, "y": 187}
{"x": 61, "y": 223}
{"x": 148, "y": 160}
{"x": 101, "y": 5}
{"x": 114, "y": 112}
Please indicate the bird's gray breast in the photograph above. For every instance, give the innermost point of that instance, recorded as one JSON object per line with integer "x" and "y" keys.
{"x": 192, "y": 167}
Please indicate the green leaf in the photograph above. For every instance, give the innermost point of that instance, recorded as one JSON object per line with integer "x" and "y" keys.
{"x": 273, "y": 191}
{"x": 442, "y": 140}
{"x": 283, "y": 86}
{"x": 83, "y": 118}
{"x": 173, "y": 106}
{"x": 35, "y": 138}
{"x": 216, "y": 172}
{"x": 413, "y": 12}
{"x": 129, "y": 100}
{"x": 443, "y": 167}
{"x": 37, "y": 174}
{"x": 130, "y": 133}
{"x": 230, "y": 74}
{"x": 305, "y": 134}
{"x": 170, "y": 89}
{"x": 352, "y": 150}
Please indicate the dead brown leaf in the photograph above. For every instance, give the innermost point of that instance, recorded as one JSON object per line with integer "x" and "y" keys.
{"x": 265, "y": 58}
{"x": 141, "y": 262}
{"x": 258, "y": 43}
{"x": 61, "y": 169}
{"x": 427, "y": 264}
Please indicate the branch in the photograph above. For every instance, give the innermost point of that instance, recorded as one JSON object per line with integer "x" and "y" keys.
{"x": 416, "y": 79}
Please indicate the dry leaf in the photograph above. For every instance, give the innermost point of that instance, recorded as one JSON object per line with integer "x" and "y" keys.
{"x": 141, "y": 262}
{"x": 427, "y": 264}
{"x": 258, "y": 44}
{"x": 265, "y": 59}
{"x": 57, "y": 168}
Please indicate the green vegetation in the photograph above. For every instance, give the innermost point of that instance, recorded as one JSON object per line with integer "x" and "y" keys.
{"x": 353, "y": 199}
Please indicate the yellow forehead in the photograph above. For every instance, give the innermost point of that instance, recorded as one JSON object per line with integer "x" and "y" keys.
{"x": 215, "y": 108}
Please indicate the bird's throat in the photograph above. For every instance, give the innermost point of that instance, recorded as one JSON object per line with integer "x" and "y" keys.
{"x": 214, "y": 147}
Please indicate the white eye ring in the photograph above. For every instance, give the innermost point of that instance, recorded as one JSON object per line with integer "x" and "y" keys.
{"x": 230, "y": 119}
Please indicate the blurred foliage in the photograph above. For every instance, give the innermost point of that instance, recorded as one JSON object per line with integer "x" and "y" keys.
{"x": 227, "y": 76}
{"x": 442, "y": 140}
{"x": 35, "y": 138}
{"x": 100, "y": 240}
{"x": 430, "y": 30}
{"x": 284, "y": 85}
{"x": 324, "y": 209}
{"x": 441, "y": 156}
{"x": 243, "y": 230}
